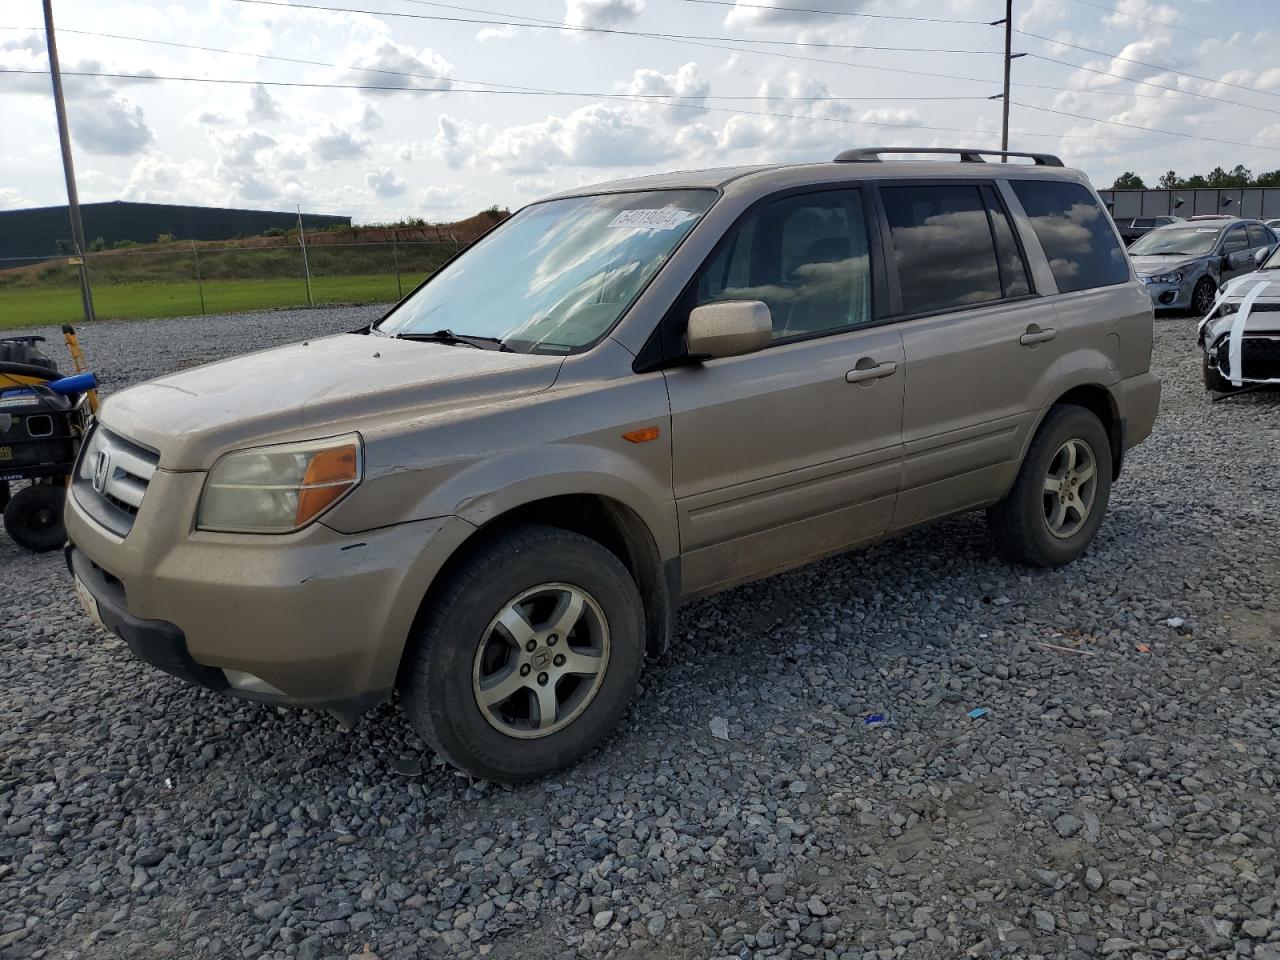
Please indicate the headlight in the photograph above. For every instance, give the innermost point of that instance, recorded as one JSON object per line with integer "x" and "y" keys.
{"x": 280, "y": 488}
{"x": 1164, "y": 278}
{"x": 1229, "y": 308}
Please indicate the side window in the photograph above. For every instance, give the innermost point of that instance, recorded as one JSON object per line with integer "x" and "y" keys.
{"x": 805, "y": 256}
{"x": 1081, "y": 247}
{"x": 1143, "y": 223}
{"x": 1236, "y": 239}
{"x": 1258, "y": 235}
{"x": 1013, "y": 269}
{"x": 942, "y": 242}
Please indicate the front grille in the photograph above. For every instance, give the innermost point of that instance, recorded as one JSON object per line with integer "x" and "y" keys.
{"x": 112, "y": 478}
{"x": 1260, "y": 358}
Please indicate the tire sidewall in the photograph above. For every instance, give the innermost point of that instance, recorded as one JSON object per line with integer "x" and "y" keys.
{"x": 1063, "y": 424}
{"x": 444, "y": 698}
{"x": 20, "y": 509}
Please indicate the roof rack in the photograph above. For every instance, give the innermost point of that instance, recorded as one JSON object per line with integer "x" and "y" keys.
{"x": 967, "y": 155}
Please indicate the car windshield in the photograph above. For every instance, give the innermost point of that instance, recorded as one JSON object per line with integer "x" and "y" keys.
{"x": 1176, "y": 241}
{"x": 1272, "y": 262}
{"x": 557, "y": 275}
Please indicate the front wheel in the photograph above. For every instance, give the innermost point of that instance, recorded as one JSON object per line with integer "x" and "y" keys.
{"x": 1060, "y": 495}
{"x": 1214, "y": 381}
{"x": 528, "y": 656}
{"x": 1202, "y": 297}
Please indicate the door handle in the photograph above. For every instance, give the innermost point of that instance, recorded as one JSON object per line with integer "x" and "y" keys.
{"x": 1032, "y": 337}
{"x": 874, "y": 372}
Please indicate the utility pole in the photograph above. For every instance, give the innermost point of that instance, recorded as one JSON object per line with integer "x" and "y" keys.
{"x": 1008, "y": 59}
{"x": 306, "y": 267}
{"x": 68, "y": 167}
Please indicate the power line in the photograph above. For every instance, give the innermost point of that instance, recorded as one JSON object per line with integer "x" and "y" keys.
{"x": 505, "y": 87}
{"x": 838, "y": 13}
{"x": 1141, "y": 63}
{"x": 577, "y": 28}
{"x": 1145, "y": 83}
{"x": 673, "y": 38}
{"x": 622, "y": 97}
{"x": 1134, "y": 126}
{"x": 1171, "y": 26}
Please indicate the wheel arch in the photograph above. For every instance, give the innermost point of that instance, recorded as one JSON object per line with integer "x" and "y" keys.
{"x": 608, "y": 521}
{"x": 1101, "y": 402}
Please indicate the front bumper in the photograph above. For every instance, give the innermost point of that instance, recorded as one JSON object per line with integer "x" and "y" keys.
{"x": 1170, "y": 296}
{"x": 314, "y": 618}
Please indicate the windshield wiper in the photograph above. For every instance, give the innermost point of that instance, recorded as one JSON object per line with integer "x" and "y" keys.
{"x": 448, "y": 336}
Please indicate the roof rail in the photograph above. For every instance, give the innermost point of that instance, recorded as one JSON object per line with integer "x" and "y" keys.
{"x": 967, "y": 155}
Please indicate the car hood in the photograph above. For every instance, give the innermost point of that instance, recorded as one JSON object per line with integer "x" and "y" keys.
{"x": 1264, "y": 316}
{"x": 1151, "y": 266}
{"x": 313, "y": 389}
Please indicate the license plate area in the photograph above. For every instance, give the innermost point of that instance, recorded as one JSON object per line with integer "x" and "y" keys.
{"x": 90, "y": 604}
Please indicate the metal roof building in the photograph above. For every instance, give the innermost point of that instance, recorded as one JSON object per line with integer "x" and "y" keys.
{"x": 37, "y": 232}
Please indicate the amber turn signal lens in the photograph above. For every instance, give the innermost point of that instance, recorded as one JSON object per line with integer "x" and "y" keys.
{"x": 330, "y": 474}
{"x": 643, "y": 435}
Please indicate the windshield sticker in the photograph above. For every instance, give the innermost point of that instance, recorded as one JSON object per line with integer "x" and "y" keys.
{"x": 664, "y": 219}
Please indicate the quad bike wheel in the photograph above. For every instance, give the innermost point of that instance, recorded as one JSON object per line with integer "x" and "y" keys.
{"x": 33, "y": 517}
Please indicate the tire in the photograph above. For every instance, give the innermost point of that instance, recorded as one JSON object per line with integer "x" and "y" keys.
{"x": 463, "y": 652}
{"x": 1202, "y": 296}
{"x": 1213, "y": 380}
{"x": 33, "y": 517}
{"x": 1022, "y": 524}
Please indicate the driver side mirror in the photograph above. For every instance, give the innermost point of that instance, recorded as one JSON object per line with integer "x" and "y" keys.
{"x": 730, "y": 328}
{"x": 1260, "y": 257}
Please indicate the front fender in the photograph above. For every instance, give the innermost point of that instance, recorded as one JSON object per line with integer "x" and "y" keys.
{"x": 485, "y": 490}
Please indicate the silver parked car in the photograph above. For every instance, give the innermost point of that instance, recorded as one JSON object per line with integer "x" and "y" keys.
{"x": 1184, "y": 264}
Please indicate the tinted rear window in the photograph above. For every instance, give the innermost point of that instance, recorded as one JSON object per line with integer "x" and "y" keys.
{"x": 1074, "y": 231}
{"x": 943, "y": 245}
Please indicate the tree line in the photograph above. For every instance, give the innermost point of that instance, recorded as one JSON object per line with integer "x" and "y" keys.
{"x": 1239, "y": 176}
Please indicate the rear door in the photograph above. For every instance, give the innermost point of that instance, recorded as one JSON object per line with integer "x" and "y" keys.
{"x": 793, "y": 452}
{"x": 977, "y": 341}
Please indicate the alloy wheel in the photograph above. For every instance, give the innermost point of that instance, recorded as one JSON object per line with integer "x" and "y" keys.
{"x": 541, "y": 660}
{"x": 1070, "y": 488}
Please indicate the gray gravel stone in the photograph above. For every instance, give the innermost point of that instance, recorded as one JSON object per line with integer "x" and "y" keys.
{"x": 141, "y": 814}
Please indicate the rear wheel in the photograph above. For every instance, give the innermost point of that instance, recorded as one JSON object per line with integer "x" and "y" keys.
{"x": 1202, "y": 297}
{"x": 528, "y": 656}
{"x": 33, "y": 517}
{"x": 1060, "y": 495}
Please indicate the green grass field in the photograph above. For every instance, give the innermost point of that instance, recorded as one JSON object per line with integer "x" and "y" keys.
{"x": 29, "y": 306}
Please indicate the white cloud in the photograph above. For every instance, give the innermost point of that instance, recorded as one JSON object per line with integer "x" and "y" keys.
{"x": 335, "y": 145}
{"x": 602, "y": 13}
{"x": 385, "y": 63}
{"x": 11, "y": 199}
{"x": 457, "y": 142}
{"x": 495, "y": 33}
{"x": 686, "y": 84}
{"x": 158, "y": 178}
{"x": 114, "y": 127}
{"x": 597, "y": 135}
{"x": 262, "y": 105}
{"x": 385, "y": 183}
{"x": 211, "y": 118}
{"x": 535, "y": 186}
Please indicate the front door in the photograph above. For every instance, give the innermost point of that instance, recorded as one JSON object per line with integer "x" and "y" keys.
{"x": 791, "y": 453}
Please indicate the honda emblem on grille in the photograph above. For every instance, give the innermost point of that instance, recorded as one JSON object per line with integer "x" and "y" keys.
{"x": 101, "y": 471}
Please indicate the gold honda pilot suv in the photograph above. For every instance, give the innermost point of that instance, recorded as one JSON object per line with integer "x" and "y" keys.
{"x": 494, "y": 499}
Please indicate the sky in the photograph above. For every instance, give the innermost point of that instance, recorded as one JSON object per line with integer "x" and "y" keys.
{"x": 475, "y": 111}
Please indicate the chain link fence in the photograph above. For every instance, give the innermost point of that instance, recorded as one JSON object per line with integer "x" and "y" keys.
{"x": 185, "y": 278}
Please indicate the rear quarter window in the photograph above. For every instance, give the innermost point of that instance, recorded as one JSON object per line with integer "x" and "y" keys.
{"x": 1075, "y": 232}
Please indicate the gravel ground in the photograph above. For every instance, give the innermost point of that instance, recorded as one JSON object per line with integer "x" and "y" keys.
{"x": 1119, "y": 797}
